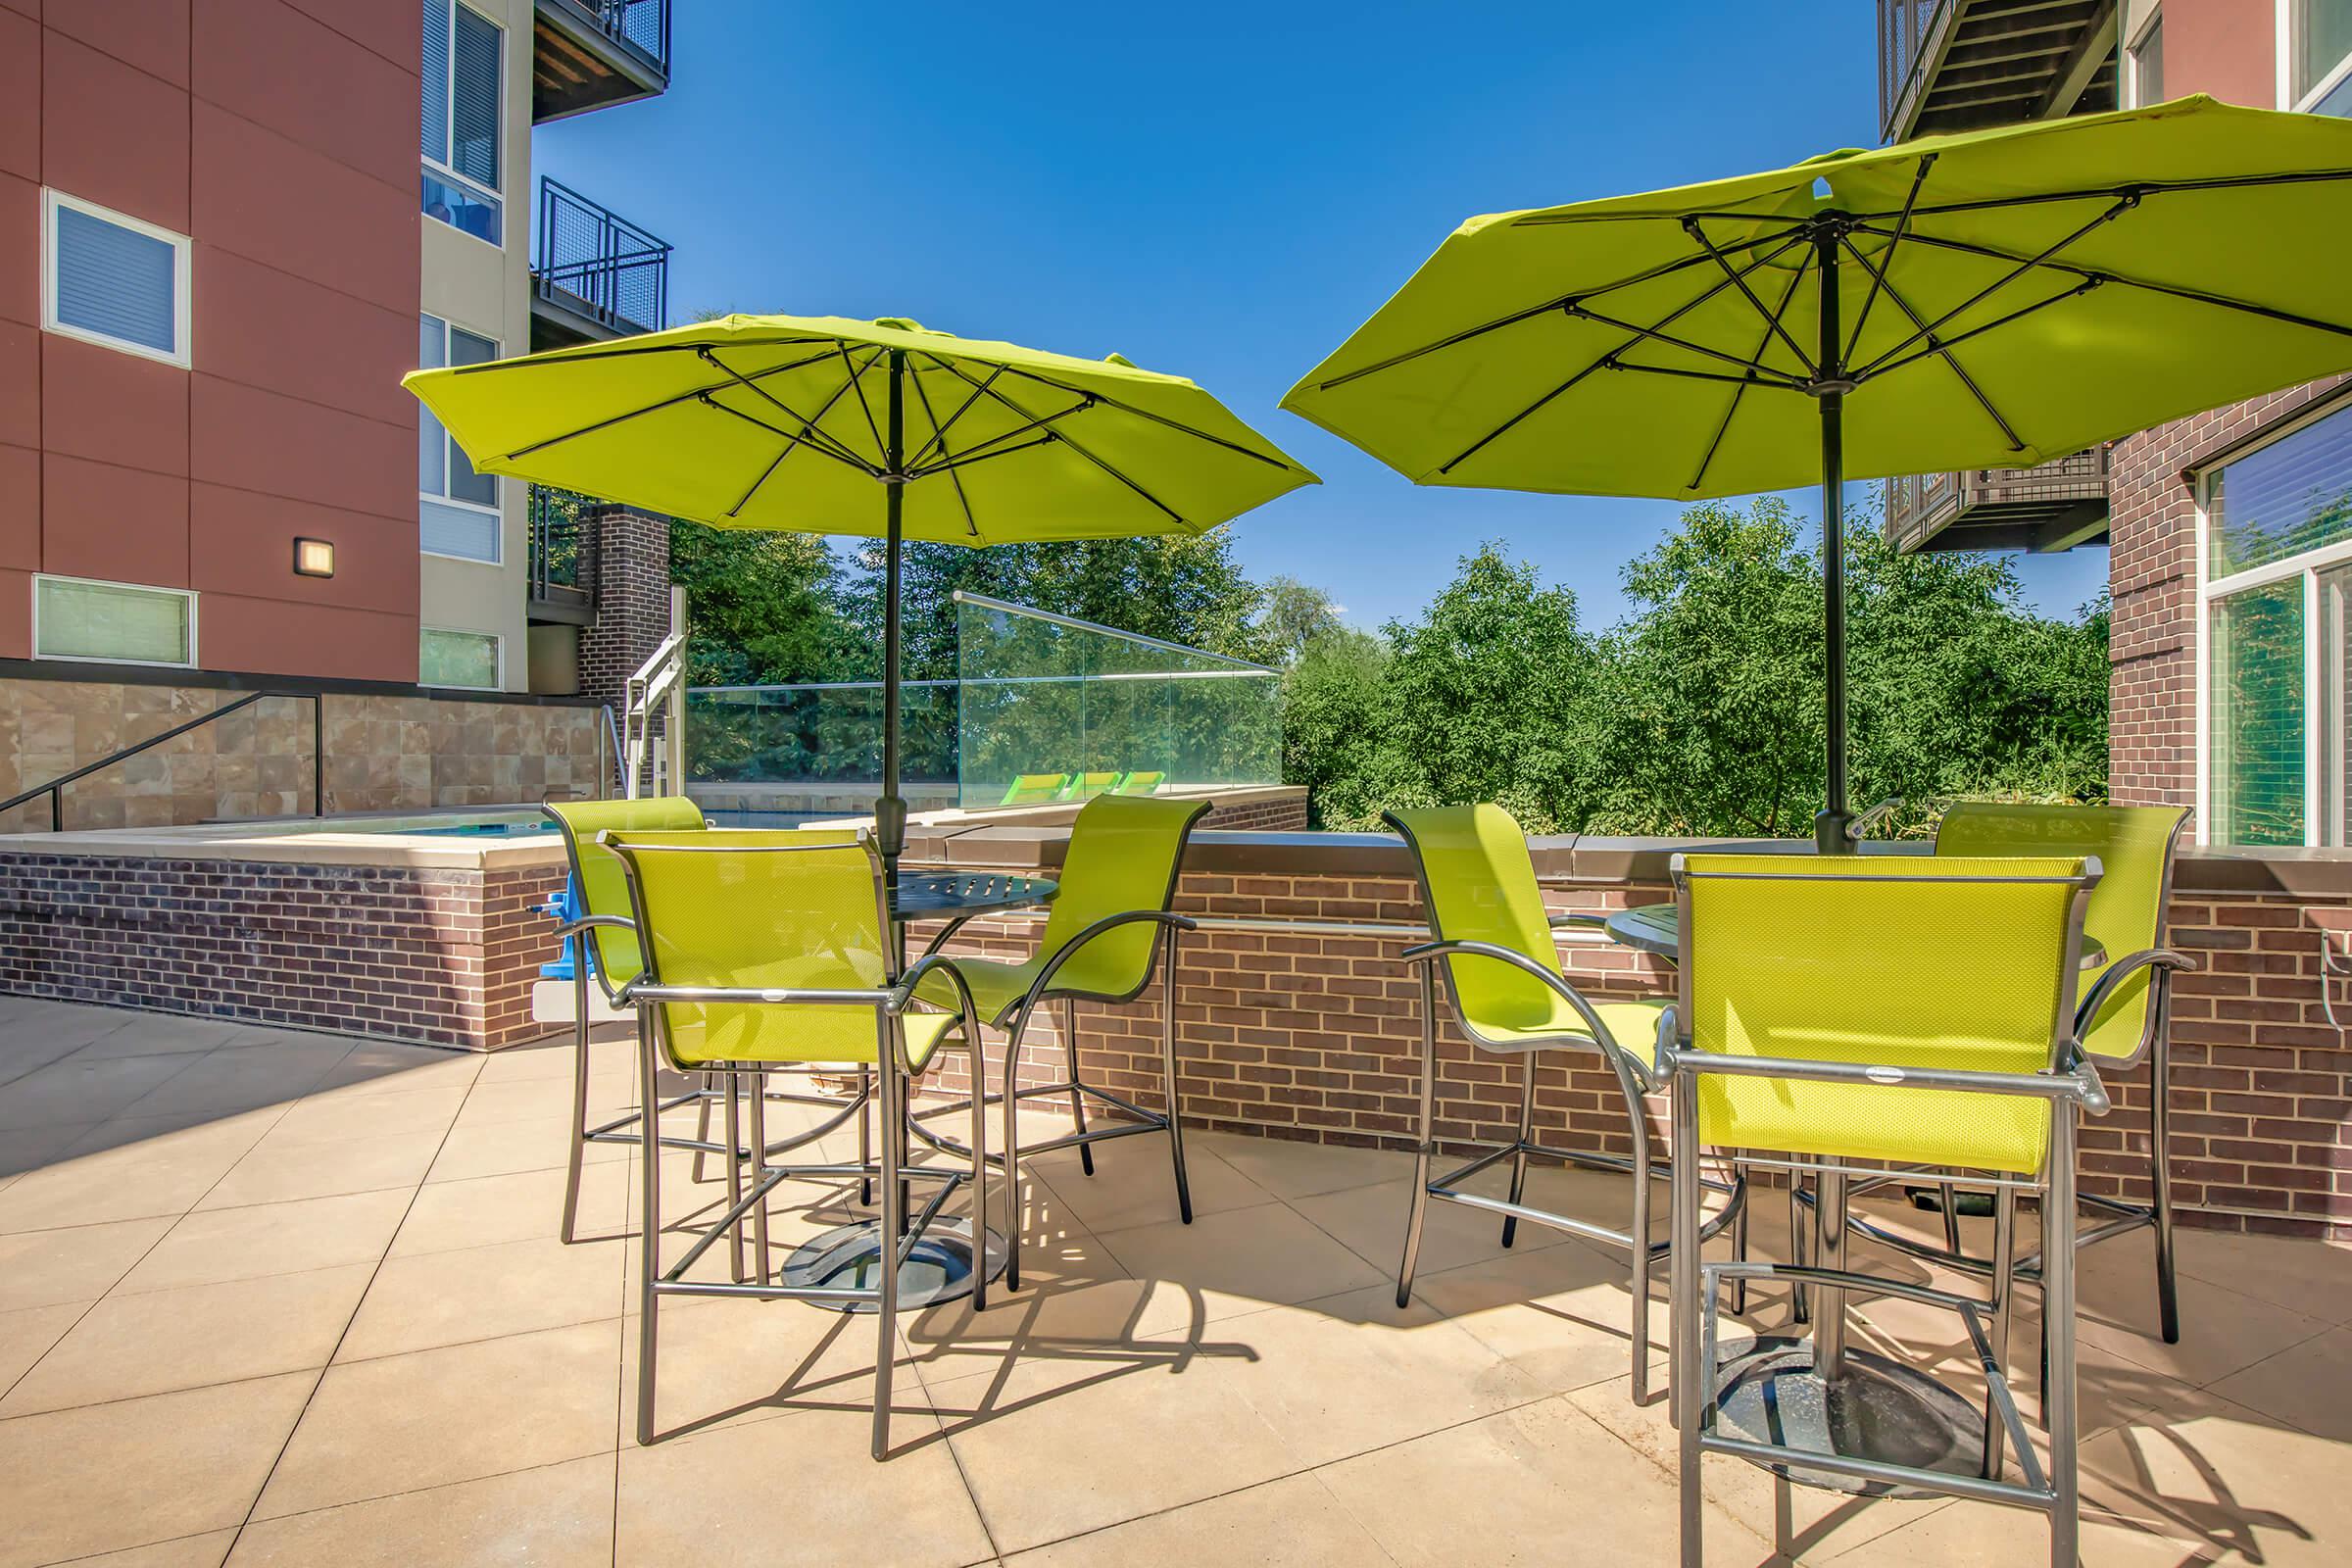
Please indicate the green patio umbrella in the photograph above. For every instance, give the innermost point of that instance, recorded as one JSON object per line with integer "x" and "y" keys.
{"x": 1993, "y": 299}
{"x": 822, "y": 424}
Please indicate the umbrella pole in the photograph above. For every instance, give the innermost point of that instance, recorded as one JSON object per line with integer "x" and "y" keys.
{"x": 1833, "y": 828}
{"x": 889, "y": 812}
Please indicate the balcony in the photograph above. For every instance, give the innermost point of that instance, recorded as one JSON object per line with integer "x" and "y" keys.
{"x": 2055, "y": 507}
{"x": 591, "y": 54}
{"x": 563, "y": 567}
{"x": 597, "y": 275}
{"x": 1958, "y": 64}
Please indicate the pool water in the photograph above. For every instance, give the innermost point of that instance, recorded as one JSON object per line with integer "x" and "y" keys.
{"x": 503, "y": 828}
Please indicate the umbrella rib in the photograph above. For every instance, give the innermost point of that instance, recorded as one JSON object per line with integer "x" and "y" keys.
{"x": 857, "y": 383}
{"x": 2024, "y": 265}
{"x": 1677, "y": 312}
{"x": 1880, "y": 367}
{"x": 1878, "y": 275}
{"x": 1752, "y": 379}
{"x": 2135, "y": 190}
{"x": 696, "y": 393}
{"x": 1124, "y": 407}
{"x": 772, "y": 464}
{"x": 980, "y": 449}
{"x": 1755, "y": 361}
{"x": 789, "y": 438}
{"x": 1698, "y": 237}
{"x": 970, "y": 458}
{"x": 1645, "y": 276}
{"x": 2198, "y": 296}
{"x": 939, "y": 432}
{"x": 1878, "y": 283}
{"x": 553, "y": 361}
{"x": 833, "y": 445}
{"x": 1066, "y": 440}
{"x": 1741, "y": 391}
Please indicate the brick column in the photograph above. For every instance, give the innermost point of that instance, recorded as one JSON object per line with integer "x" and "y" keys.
{"x": 629, "y": 555}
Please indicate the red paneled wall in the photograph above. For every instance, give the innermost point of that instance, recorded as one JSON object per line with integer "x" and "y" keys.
{"x": 280, "y": 136}
{"x": 2228, "y": 48}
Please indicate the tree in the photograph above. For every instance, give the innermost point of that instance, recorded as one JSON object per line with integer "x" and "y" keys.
{"x": 759, "y": 605}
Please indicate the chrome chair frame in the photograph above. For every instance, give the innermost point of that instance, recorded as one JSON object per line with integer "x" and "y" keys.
{"x": 1633, "y": 1082}
{"x": 1014, "y": 1021}
{"x": 893, "y": 1076}
{"x": 2070, "y": 1083}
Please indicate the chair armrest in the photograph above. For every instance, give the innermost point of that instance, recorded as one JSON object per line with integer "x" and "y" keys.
{"x": 1110, "y": 923}
{"x": 1431, "y": 951}
{"x": 2081, "y": 1085}
{"x": 902, "y": 996}
{"x": 2164, "y": 961}
{"x": 588, "y": 922}
{"x": 1577, "y": 917}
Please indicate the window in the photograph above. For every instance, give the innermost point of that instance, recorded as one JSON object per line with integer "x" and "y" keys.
{"x": 117, "y": 622}
{"x": 2277, "y": 573}
{"x": 463, "y": 105}
{"x": 2147, "y": 64}
{"x": 2318, "y": 55}
{"x": 458, "y": 506}
{"x": 107, "y": 277}
{"x": 458, "y": 658}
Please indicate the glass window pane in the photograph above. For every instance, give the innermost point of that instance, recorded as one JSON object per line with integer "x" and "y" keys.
{"x": 432, "y": 441}
{"x": 115, "y": 282}
{"x": 2289, "y": 497}
{"x": 2335, "y": 705}
{"x": 112, "y": 620}
{"x": 469, "y": 348}
{"x": 2147, "y": 66}
{"x": 435, "y": 120}
{"x": 460, "y": 531}
{"x": 457, "y": 659}
{"x": 474, "y": 100}
{"x": 453, "y": 204}
{"x": 2322, "y": 37}
{"x": 2258, "y": 715}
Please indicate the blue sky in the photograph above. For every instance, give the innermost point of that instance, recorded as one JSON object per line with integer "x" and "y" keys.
{"x": 1222, "y": 191}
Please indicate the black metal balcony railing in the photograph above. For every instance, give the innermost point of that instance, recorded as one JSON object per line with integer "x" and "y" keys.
{"x": 1902, "y": 32}
{"x": 642, "y": 25}
{"x": 2053, "y": 507}
{"x": 562, "y": 571}
{"x": 1956, "y": 65}
{"x": 593, "y": 260}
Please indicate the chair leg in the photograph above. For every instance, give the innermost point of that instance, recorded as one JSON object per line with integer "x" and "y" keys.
{"x": 886, "y": 1282}
{"x": 1167, "y": 1058}
{"x": 1828, "y": 1243}
{"x": 649, "y": 1223}
{"x": 865, "y": 1133}
{"x": 1949, "y": 1201}
{"x": 1527, "y": 1131}
{"x": 1424, "y": 1134}
{"x": 2160, "y": 1148}
{"x": 1800, "y": 1306}
{"x": 2058, "y": 1327}
{"x": 2004, "y": 1287}
{"x": 979, "y": 1071}
{"x": 734, "y": 1120}
{"x": 701, "y": 1126}
{"x": 1739, "y": 1255}
{"x": 1639, "y": 1234}
{"x": 1069, "y": 1051}
{"x": 1694, "y": 1383}
{"x": 759, "y": 1151}
{"x": 1013, "y": 1148}
{"x": 579, "y": 1092}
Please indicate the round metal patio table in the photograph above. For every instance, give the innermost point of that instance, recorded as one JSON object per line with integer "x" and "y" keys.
{"x": 941, "y": 1267}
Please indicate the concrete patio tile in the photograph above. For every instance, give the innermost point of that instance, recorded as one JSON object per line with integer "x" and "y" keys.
{"x": 30, "y": 1149}
{"x": 233, "y": 1244}
{"x": 27, "y": 1333}
{"x": 379, "y": 1067}
{"x": 243, "y": 1077}
{"x": 334, "y": 1118}
{"x": 2313, "y": 1278}
{"x": 551, "y": 1059}
{"x": 2305, "y": 1385}
{"x": 154, "y": 1342}
{"x": 206, "y": 1551}
{"x": 1294, "y": 1520}
{"x": 521, "y": 1205}
{"x": 555, "y": 1516}
{"x": 725, "y": 1362}
{"x": 1134, "y": 1183}
{"x": 79, "y": 1091}
{"x": 478, "y": 1293}
{"x": 1289, "y": 1168}
{"x": 1237, "y": 1260}
{"x": 2221, "y": 1332}
{"x": 1371, "y": 1222}
{"x": 106, "y": 1477}
{"x": 283, "y": 1170}
{"x": 382, "y": 1428}
{"x": 1561, "y": 1315}
{"x": 80, "y": 1263}
{"x": 800, "y": 1490}
{"x": 1542, "y": 1483}
{"x": 500, "y": 1149}
{"x": 159, "y": 1034}
{"x": 532, "y": 1099}
{"x": 1055, "y": 1447}
{"x": 163, "y": 1173}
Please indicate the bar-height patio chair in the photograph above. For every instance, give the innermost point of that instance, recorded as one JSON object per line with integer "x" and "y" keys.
{"x": 1813, "y": 1027}
{"x": 1103, "y": 936}
{"x": 607, "y": 933}
{"x": 1492, "y": 941}
{"x": 2125, "y": 1015}
{"x": 774, "y": 950}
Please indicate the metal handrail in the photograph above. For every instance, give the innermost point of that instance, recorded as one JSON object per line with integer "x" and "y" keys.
{"x": 55, "y": 789}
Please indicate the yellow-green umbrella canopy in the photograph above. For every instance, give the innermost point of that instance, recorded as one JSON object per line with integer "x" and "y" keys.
{"x": 783, "y": 421}
{"x": 1992, "y": 299}
{"x": 823, "y": 424}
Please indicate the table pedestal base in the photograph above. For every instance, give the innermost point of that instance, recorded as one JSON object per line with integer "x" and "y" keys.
{"x": 1875, "y": 1410}
{"x": 939, "y": 1269}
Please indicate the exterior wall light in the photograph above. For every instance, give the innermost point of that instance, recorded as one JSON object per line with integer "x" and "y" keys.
{"x": 313, "y": 558}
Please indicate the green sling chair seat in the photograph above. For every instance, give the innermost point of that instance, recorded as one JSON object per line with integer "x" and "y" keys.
{"x": 1846, "y": 1014}
{"x": 1086, "y": 786}
{"x": 767, "y": 950}
{"x": 1492, "y": 939}
{"x": 1140, "y": 783}
{"x": 1035, "y": 788}
{"x": 2125, "y": 1012}
{"x": 1104, "y": 935}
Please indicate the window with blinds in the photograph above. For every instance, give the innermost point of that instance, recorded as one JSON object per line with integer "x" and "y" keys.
{"x": 108, "y": 278}
{"x": 457, "y": 507}
{"x": 464, "y": 76}
{"x": 120, "y": 623}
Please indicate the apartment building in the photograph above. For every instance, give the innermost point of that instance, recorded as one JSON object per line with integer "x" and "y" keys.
{"x": 2230, "y": 532}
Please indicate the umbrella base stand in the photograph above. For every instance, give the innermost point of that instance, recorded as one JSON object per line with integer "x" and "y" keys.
{"x": 1873, "y": 1410}
{"x": 938, "y": 1269}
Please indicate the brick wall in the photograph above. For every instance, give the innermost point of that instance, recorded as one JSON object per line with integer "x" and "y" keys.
{"x": 2153, "y": 575}
{"x": 442, "y": 957}
{"x": 631, "y": 558}
{"x": 1280, "y": 813}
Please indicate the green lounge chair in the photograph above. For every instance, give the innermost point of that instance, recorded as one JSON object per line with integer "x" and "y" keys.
{"x": 1086, "y": 786}
{"x": 1035, "y": 788}
{"x": 1140, "y": 783}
